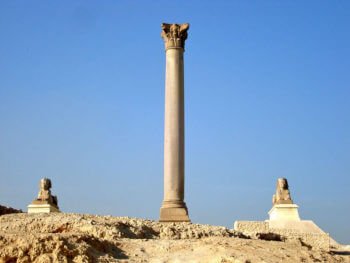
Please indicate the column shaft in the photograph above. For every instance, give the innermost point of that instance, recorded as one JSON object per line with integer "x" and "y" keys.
{"x": 174, "y": 127}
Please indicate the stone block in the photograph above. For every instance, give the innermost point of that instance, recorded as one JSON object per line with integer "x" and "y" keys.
{"x": 42, "y": 208}
{"x": 305, "y": 231}
{"x": 251, "y": 227}
{"x": 174, "y": 214}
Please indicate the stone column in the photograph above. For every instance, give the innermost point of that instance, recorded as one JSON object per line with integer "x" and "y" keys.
{"x": 174, "y": 208}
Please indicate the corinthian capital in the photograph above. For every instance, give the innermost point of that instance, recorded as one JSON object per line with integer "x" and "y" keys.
{"x": 174, "y": 35}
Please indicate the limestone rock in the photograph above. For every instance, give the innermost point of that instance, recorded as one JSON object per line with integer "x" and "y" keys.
{"x": 59, "y": 237}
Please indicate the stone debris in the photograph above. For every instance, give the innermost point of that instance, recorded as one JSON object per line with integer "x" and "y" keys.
{"x": 109, "y": 227}
{"x": 59, "y": 237}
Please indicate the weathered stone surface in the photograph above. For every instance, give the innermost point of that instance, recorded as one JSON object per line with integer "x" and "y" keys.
{"x": 174, "y": 214}
{"x": 59, "y": 237}
{"x": 250, "y": 228}
{"x": 174, "y": 35}
{"x": 305, "y": 232}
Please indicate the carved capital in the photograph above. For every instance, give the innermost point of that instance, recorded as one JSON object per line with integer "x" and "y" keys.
{"x": 174, "y": 35}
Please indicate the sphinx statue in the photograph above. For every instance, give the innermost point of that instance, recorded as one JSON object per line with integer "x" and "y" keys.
{"x": 44, "y": 195}
{"x": 282, "y": 195}
{"x": 45, "y": 202}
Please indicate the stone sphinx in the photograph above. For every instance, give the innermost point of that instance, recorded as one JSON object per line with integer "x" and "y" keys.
{"x": 46, "y": 202}
{"x": 284, "y": 221}
{"x": 282, "y": 195}
{"x": 44, "y": 195}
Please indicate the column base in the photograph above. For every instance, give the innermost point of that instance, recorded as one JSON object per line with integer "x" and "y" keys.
{"x": 174, "y": 212}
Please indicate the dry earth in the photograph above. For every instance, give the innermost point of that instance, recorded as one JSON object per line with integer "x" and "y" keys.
{"x": 60, "y": 237}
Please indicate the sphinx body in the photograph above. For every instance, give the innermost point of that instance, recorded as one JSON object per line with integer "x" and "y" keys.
{"x": 44, "y": 195}
{"x": 282, "y": 195}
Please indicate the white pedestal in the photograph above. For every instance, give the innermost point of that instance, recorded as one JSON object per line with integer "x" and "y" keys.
{"x": 41, "y": 208}
{"x": 284, "y": 212}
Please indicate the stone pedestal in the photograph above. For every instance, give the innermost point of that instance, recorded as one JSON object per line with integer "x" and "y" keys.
{"x": 174, "y": 208}
{"x": 172, "y": 212}
{"x": 293, "y": 230}
{"x": 284, "y": 212}
{"x": 42, "y": 208}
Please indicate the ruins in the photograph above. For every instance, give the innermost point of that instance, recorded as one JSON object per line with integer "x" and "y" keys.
{"x": 284, "y": 221}
{"x": 174, "y": 208}
{"x": 46, "y": 202}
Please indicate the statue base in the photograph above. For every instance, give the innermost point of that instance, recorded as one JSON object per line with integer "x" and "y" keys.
{"x": 174, "y": 212}
{"x": 42, "y": 208}
{"x": 302, "y": 230}
{"x": 288, "y": 212}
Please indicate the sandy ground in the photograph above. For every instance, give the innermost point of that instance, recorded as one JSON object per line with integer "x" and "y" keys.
{"x": 60, "y": 237}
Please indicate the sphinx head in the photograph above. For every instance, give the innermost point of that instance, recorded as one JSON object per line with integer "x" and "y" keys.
{"x": 282, "y": 183}
{"x": 45, "y": 184}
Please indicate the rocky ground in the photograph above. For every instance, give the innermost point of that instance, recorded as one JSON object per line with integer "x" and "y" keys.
{"x": 60, "y": 237}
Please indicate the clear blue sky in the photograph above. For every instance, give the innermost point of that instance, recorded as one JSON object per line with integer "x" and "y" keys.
{"x": 267, "y": 96}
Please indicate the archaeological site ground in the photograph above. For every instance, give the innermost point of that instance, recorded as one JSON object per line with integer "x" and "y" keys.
{"x": 44, "y": 232}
